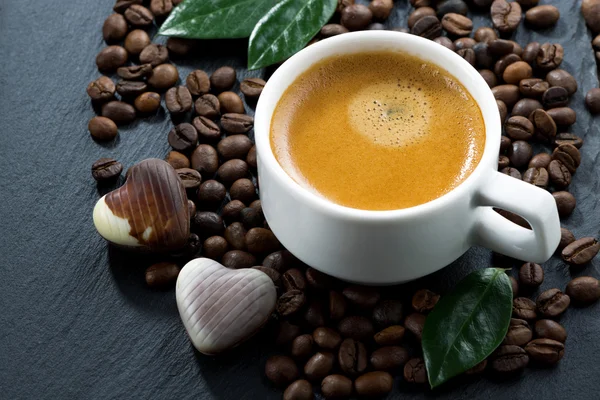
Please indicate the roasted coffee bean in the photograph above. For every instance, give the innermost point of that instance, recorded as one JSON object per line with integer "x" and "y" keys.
{"x": 477, "y": 369}
{"x": 208, "y": 131}
{"x": 489, "y": 77}
{"x": 537, "y": 176}
{"x": 550, "y": 56}
{"x": 500, "y": 47}
{"x": 555, "y": 96}
{"x": 190, "y": 178}
{"x": 231, "y": 211}
{"x": 531, "y": 275}
{"x": 516, "y": 72}
{"x": 503, "y": 162}
{"x": 362, "y": 296}
{"x": 530, "y": 52}
{"x": 102, "y": 89}
{"x": 566, "y": 238}
{"x": 232, "y": 170}
{"x": 326, "y": 338}
{"x": 519, "y": 333}
{"x": 110, "y": 58}
{"x": 389, "y": 358}
{"x": 235, "y": 234}
{"x": 524, "y": 107}
{"x": 136, "y": 41}
{"x": 198, "y": 82}
{"x": 581, "y": 251}
{"x": 533, "y": 87}
{"x": 541, "y": 160}
{"x": 584, "y": 290}
{"x": 517, "y": 49}
{"x": 119, "y": 112}
{"x": 415, "y": 372}
{"x": 563, "y": 116}
{"x": 302, "y": 346}
{"x": 208, "y": 106}
{"x": 164, "y": 76}
{"x": 106, "y": 169}
{"x": 154, "y": 54}
{"x": 211, "y": 194}
{"x": 162, "y": 275}
{"x": 514, "y": 286}
{"x": 314, "y": 316}
{"x": 591, "y": 13}
{"x": 236, "y": 259}
{"x": 223, "y": 79}
{"x": 252, "y": 217}
{"x": 520, "y": 153}
{"x": 549, "y": 329}
{"x": 102, "y": 128}
{"x": 253, "y": 87}
{"x": 561, "y": 78}
{"x": 509, "y": 359}
{"x": 285, "y": 333}
{"x": 559, "y": 174}
{"x": 418, "y": 14}
{"x": 327, "y": 31}
{"x": 543, "y": 124}
{"x": 444, "y": 41}
{"x": 316, "y": 279}
{"x": 337, "y": 305}
{"x": 231, "y": 103}
{"x": 352, "y": 357}
{"x": 234, "y": 146}
{"x": 205, "y": 160}
{"x": 191, "y": 248}
{"x": 509, "y": 94}
{"x": 428, "y": 27}
{"x": 356, "y": 327}
{"x": 518, "y": 128}
{"x": 456, "y": 24}
{"x": 138, "y": 15}
{"x": 208, "y": 224}
{"x": 424, "y": 300}
{"x": 177, "y": 160}
{"x": 390, "y": 336}
{"x": 215, "y": 247}
{"x": 524, "y": 308}
{"x": 293, "y": 279}
{"x": 183, "y": 137}
{"x": 336, "y": 387}
{"x": 319, "y": 366}
{"x": 161, "y": 8}
{"x": 545, "y": 351}
{"x": 135, "y": 71}
{"x": 270, "y": 272}
{"x": 565, "y": 203}
{"x": 281, "y": 370}
{"x": 485, "y": 34}
{"x": 180, "y": 46}
{"x": 542, "y": 17}
{"x": 131, "y": 88}
{"x": 464, "y": 43}
{"x": 389, "y": 312}
{"x": 468, "y": 55}
{"x": 114, "y": 28}
{"x": 552, "y": 303}
{"x": 356, "y": 17}
{"x": 502, "y": 109}
{"x": 592, "y": 100}
{"x": 243, "y": 190}
{"x": 446, "y": 7}
{"x": 381, "y": 9}
{"x": 484, "y": 59}
{"x": 414, "y": 323}
{"x": 504, "y": 62}
{"x": 237, "y": 123}
{"x": 505, "y": 16}
{"x": 374, "y": 384}
{"x": 261, "y": 240}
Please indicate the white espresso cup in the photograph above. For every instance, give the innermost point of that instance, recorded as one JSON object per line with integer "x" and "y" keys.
{"x": 387, "y": 247}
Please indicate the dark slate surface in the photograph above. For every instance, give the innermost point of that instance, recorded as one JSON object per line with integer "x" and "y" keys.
{"x": 76, "y": 320}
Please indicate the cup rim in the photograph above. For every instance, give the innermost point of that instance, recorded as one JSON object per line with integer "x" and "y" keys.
{"x": 301, "y": 61}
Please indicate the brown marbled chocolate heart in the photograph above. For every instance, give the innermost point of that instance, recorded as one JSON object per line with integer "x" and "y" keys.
{"x": 149, "y": 211}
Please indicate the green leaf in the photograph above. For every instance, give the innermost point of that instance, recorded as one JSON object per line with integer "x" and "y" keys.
{"x": 286, "y": 29}
{"x": 467, "y": 325}
{"x": 215, "y": 19}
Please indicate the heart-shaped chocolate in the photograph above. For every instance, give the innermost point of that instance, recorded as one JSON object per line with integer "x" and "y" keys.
{"x": 221, "y": 307}
{"x": 149, "y": 211}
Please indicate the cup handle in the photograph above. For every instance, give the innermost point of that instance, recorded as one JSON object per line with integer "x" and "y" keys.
{"x": 536, "y": 205}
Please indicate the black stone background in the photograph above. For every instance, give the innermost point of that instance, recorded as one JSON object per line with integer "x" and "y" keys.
{"x": 76, "y": 319}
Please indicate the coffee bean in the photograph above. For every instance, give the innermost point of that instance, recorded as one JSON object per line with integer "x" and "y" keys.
{"x": 581, "y": 251}
{"x": 428, "y": 27}
{"x": 561, "y": 78}
{"x": 198, "y": 82}
{"x": 235, "y": 234}
{"x": 135, "y": 72}
{"x": 356, "y": 17}
{"x": 234, "y": 146}
{"x": 555, "y": 96}
{"x": 190, "y": 178}
{"x": 509, "y": 94}
{"x": 389, "y": 358}
{"x": 215, "y": 247}
{"x": 504, "y": 62}
{"x": 183, "y": 137}
{"x": 477, "y": 369}
{"x": 257, "y": 204}
{"x": 517, "y": 49}
{"x": 211, "y": 194}
{"x": 415, "y": 372}
{"x": 136, "y": 41}
{"x": 541, "y": 160}
{"x": 162, "y": 275}
{"x": 591, "y": 10}
{"x": 362, "y": 296}
{"x": 505, "y": 16}
{"x": 443, "y": 40}
{"x": 119, "y": 112}
{"x": 319, "y": 366}
{"x": 231, "y": 103}
{"x": 592, "y": 100}
{"x": 483, "y": 58}
{"x": 114, "y": 28}
{"x": 102, "y": 89}
{"x": 237, "y": 123}
{"x": 208, "y": 106}
{"x": 485, "y": 34}
{"x": 519, "y": 333}
{"x": 543, "y": 124}
{"x": 102, "y": 128}
{"x": 281, "y": 370}
{"x": 452, "y": 7}
{"x": 456, "y": 24}
{"x": 415, "y": 323}
{"x": 285, "y": 333}
{"x": 464, "y": 43}
{"x": 261, "y": 240}
{"x": 270, "y": 272}
{"x": 542, "y": 17}
{"x": 337, "y": 305}
{"x": 138, "y": 15}
{"x": 293, "y": 279}
{"x": 352, "y": 357}
{"x": 381, "y": 9}
{"x": 565, "y": 203}
{"x": 516, "y": 72}
{"x": 191, "y": 208}
{"x": 520, "y": 153}
{"x": 566, "y": 238}
{"x": 336, "y": 387}
{"x": 584, "y": 290}
{"x": 231, "y": 211}
{"x": 500, "y": 47}
{"x": 549, "y": 329}
{"x": 356, "y": 327}
{"x": 326, "y": 338}
{"x": 524, "y": 308}
{"x": 154, "y": 54}
{"x": 253, "y": 87}
{"x": 205, "y": 160}
{"x": 106, "y": 169}
{"x": 559, "y": 174}
{"x": 302, "y": 346}
{"x": 514, "y": 286}
{"x": 177, "y": 160}
{"x": 164, "y": 76}
{"x": 509, "y": 359}
{"x": 533, "y": 87}
{"x": 208, "y": 131}
{"x": 531, "y": 275}
{"x": 424, "y": 300}
{"x": 236, "y": 259}
{"x": 550, "y": 56}
{"x": 418, "y": 14}
{"x": 223, "y": 79}
{"x": 251, "y": 217}
{"x": 502, "y": 109}
{"x": 232, "y": 170}
{"x": 208, "y": 224}
{"x": 180, "y": 46}
{"x": 468, "y": 55}
{"x": 374, "y": 384}
{"x": 519, "y": 128}
{"x": 563, "y": 116}
{"x": 161, "y": 8}
{"x": 545, "y": 351}
{"x": 190, "y": 250}
{"x": 387, "y": 312}
{"x": 530, "y": 52}
{"x": 503, "y": 162}
{"x": 390, "y": 336}
{"x": 243, "y": 190}
{"x": 536, "y": 176}
{"x": 489, "y": 77}
{"x": 280, "y": 260}
{"x": 314, "y": 316}
{"x": 131, "y": 88}
{"x": 110, "y": 58}
{"x": 552, "y": 303}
